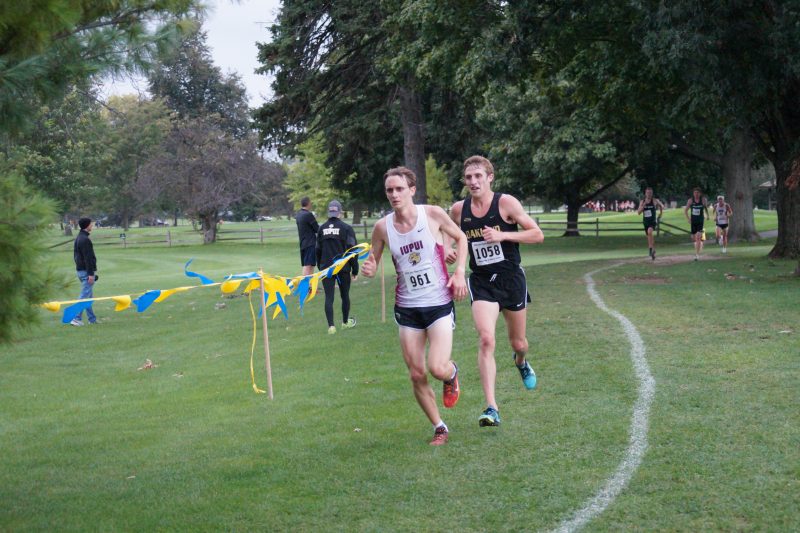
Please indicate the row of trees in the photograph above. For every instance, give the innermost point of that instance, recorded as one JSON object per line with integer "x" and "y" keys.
{"x": 47, "y": 49}
{"x": 567, "y": 97}
{"x": 189, "y": 148}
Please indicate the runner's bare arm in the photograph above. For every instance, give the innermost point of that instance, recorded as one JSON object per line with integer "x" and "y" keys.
{"x": 450, "y": 252}
{"x": 458, "y": 282}
{"x": 512, "y": 211}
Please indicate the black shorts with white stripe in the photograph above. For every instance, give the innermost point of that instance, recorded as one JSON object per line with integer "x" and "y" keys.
{"x": 508, "y": 289}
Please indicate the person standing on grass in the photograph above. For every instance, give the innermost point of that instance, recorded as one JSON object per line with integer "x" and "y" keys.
{"x": 699, "y": 213}
{"x": 647, "y": 208}
{"x": 86, "y": 267}
{"x": 333, "y": 239}
{"x": 722, "y": 215}
{"x": 424, "y": 309}
{"x": 497, "y": 283}
{"x": 307, "y": 228}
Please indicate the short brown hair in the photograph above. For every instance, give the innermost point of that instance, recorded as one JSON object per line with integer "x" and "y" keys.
{"x": 404, "y": 172}
{"x": 479, "y": 160}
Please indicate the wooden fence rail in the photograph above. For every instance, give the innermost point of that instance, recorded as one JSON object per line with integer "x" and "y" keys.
{"x": 364, "y": 230}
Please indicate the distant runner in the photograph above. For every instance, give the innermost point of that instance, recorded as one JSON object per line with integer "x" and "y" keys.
{"x": 699, "y": 213}
{"x": 722, "y": 215}
{"x": 647, "y": 208}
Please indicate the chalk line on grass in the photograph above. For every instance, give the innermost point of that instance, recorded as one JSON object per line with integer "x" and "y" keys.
{"x": 639, "y": 420}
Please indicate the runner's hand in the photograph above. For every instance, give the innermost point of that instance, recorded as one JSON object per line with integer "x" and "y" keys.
{"x": 369, "y": 267}
{"x": 457, "y": 285}
{"x": 491, "y": 234}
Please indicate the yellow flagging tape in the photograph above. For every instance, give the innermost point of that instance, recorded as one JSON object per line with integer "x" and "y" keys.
{"x": 276, "y": 289}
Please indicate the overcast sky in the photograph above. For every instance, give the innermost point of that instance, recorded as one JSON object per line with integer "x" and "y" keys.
{"x": 233, "y": 30}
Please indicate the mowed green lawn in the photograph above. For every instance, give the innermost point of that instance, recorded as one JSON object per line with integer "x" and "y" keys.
{"x": 91, "y": 443}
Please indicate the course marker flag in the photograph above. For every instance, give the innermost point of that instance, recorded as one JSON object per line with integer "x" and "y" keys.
{"x": 274, "y": 292}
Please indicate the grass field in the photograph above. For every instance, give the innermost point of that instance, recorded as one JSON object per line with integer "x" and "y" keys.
{"x": 91, "y": 443}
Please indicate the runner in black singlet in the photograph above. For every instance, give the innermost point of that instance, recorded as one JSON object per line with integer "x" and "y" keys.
{"x": 699, "y": 213}
{"x": 647, "y": 208}
{"x": 497, "y": 282}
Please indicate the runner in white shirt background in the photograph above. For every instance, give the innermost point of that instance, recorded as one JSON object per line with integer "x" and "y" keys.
{"x": 722, "y": 215}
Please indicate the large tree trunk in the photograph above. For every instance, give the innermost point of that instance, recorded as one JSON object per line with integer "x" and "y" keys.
{"x": 209, "y": 227}
{"x": 358, "y": 209}
{"x": 788, "y": 205}
{"x": 573, "y": 209}
{"x": 414, "y": 139}
{"x": 736, "y": 165}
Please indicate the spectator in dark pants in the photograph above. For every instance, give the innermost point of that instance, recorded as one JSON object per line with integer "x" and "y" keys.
{"x": 86, "y": 267}
{"x": 307, "y": 228}
{"x": 334, "y": 237}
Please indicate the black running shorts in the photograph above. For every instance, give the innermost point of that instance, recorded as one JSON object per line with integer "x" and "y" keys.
{"x": 697, "y": 227}
{"x": 308, "y": 256}
{"x": 509, "y": 289}
{"x": 423, "y": 317}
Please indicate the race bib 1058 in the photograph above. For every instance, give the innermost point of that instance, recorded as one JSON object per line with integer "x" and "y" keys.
{"x": 487, "y": 253}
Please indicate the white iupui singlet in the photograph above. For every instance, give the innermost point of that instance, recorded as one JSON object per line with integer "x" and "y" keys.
{"x": 419, "y": 260}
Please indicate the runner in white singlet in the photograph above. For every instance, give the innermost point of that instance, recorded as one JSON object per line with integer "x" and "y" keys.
{"x": 419, "y": 260}
{"x": 722, "y": 214}
{"x": 424, "y": 308}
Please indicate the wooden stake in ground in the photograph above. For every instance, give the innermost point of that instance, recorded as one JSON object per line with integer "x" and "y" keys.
{"x": 383, "y": 294}
{"x": 266, "y": 334}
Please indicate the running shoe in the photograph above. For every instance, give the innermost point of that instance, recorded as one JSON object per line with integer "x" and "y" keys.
{"x": 451, "y": 390}
{"x": 76, "y": 322}
{"x": 490, "y": 417}
{"x": 351, "y": 323}
{"x": 439, "y": 436}
{"x": 653, "y": 254}
{"x": 331, "y": 330}
{"x": 526, "y": 373}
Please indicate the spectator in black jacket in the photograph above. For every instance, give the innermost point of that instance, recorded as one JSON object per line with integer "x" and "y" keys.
{"x": 307, "y": 231}
{"x": 86, "y": 265}
{"x": 333, "y": 239}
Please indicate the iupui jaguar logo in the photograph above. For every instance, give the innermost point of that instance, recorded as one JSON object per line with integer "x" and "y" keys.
{"x": 414, "y": 258}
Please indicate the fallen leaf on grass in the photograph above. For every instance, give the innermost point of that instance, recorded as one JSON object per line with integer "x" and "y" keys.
{"x": 177, "y": 375}
{"x": 148, "y": 364}
{"x": 785, "y": 331}
{"x": 357, "y": 430}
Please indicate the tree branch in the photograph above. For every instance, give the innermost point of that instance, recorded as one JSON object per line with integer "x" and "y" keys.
{"x": 607, "y": 186}
{"x": 688, "y": 150}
